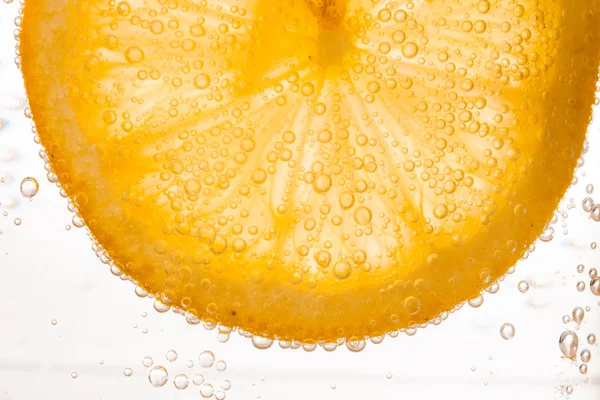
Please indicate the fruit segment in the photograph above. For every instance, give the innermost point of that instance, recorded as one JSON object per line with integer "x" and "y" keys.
{"x": 313, "y": 170}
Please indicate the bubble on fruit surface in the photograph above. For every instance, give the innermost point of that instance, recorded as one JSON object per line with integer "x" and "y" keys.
{"x": 568, "y": 344}
{"x": 206, "y": 359}
{"x": 158, "y": 376}
{"x": 476, "y": 302}
{"x": 507, "y": 331}
{"x": 29, "y": 187}
{"x": 261, "y": 343}
{"x": 207, "y": 390}
{"x": 578, "y": 315}
{"x": 523, "y": 286}
{"x": 181, "y": 381}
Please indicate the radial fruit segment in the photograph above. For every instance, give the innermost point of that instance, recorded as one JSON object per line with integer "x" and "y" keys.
{"x": 307, "y": 169}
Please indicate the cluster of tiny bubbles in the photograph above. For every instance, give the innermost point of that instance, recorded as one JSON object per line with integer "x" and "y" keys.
{"x": 507, "y": 331}
{"x": 29, "y": 187}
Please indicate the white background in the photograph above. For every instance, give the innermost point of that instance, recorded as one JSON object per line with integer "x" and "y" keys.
{"x": 48, "y": 272}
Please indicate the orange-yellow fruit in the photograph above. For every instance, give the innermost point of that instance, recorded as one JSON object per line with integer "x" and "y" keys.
{"x": 306, "y": 169}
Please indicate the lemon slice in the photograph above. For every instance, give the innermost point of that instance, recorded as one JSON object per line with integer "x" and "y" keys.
{"x": 313, "y": 170}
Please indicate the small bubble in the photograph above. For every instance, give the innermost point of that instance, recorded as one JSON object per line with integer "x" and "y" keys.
{"x": 581, "y": 268}
{"x": 29, "y": 187}
{"x": 181, "y": 381}
{"x": 566, "y": 319}
{"x": 226, "y": 385}
{"x": 591, "y": 339}
{"x": 147, "y": 362}
{"x": 198, "y": 379}
{"x": 568, "y": 344}
{"x": 220, "y": 395}
{"x": 507, "y": 331}
{"x": 333, "y": 386}
{"x": 54, "y": 322}
{"x": 473, "y": 368}
{"x": 523, "y": 286}
{"x": 189, "y": 363}
{"x": 171, "y": 355}
{"x": 127, "y": 372}
{"x": 158, "y": 376}
{"x": 476, "y": 302}
{"x": 593, "y": 273}
{"x": 221, "y": 365}
{"x": 578, "y": 315}
{"x": 389, "y": 375}
{"x": 569, "y": 389}
{"x": 583, "y": 369}
{"x": 207, "y": 390}
{"x": 17, "y": 221}
{"x": 206, "y": 359}
{"x": 74, "y": 375}
{"x": 261, "y": 343}
{"x": 585, "y": 355}
{"x": 580, "y": 286}
{"x": 589, "y": 188}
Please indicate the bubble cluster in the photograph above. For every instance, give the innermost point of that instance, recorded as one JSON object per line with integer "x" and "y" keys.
{"x": 295, "y": 169}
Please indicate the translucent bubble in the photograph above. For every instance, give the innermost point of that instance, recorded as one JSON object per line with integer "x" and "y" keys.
{"x": 362, "y": 215}
{"x": 225, "y": 385}
{"x": 74, "y": 375}
{"x": 127, "y": 372}
{"x": 591, "y": 339}
{"x": 589, "y": 188}
{"x": 585, "y": 356}
{"x": 221, "y": 365}
{"x": 54, "y": 322}
{"x": 158, "y": 376}
{"x": 578, "y": 315}
{"x": 147, "y": 362}
{"x": 17, "y": 221}
{"x": 389, "y": 375}
{"x": 198, "y": 379}
{"x": 595, "y": 286}
{"x": 29, "y": 187}
{"x": 587, "y": 204}
{"x": 568, "y": 344}
{"x": 261, "y": 343}
{"x": 206, "y": 359}
{"x": 507, "y": 331}
{"x": 476, "y": 302}
{"x": 583, "y": 369}
{"x": 593, "y": 273}
{"x": 171, "y": 355}
{"x": 220, "y": 395}
{"x": 181, "y": 381}
{"x": 207, "y": 390}
{"x": 355, "y": 345}
{"x": 523, "y": 286}
{"x": 580, "y": 286}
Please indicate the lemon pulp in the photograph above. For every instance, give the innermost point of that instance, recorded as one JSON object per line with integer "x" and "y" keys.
{"x": 312, "y": 170}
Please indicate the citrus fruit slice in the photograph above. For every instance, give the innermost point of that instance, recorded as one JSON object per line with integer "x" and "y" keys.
{"x": 312, "y": 170}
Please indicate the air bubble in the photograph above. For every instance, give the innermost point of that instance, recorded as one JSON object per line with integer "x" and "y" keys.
{"x": 181, "y": 381}
{"x": 507, "y": 331}
{"x": 568, "y": 344}
{"x": 158, "y": 376}
{"x": 206, "y": 359}
{"x": 29, "y": 187}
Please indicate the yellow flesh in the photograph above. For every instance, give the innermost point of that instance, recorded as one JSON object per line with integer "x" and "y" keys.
{"x": 313, "y": 170}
